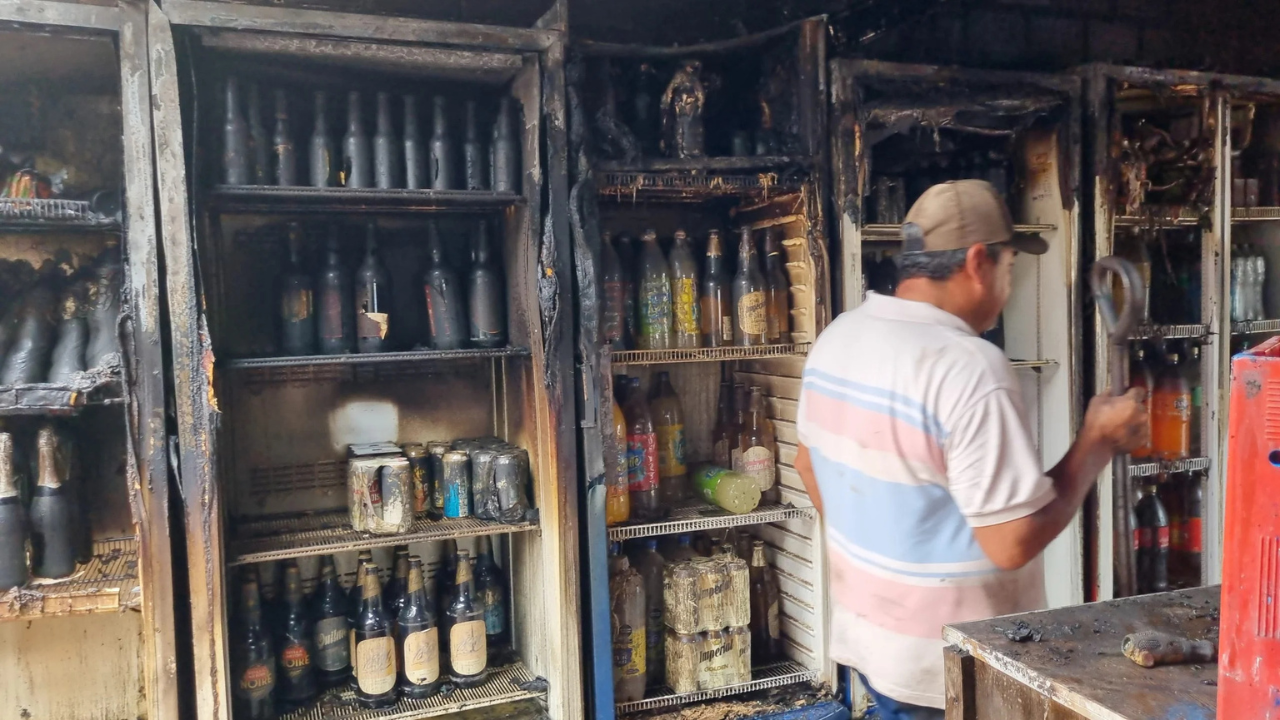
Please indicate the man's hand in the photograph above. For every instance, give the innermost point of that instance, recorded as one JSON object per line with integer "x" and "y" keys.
{"x": 1119, "y": 423}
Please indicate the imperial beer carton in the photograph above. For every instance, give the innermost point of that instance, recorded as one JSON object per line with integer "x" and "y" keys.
{"x": 379, "y": 488}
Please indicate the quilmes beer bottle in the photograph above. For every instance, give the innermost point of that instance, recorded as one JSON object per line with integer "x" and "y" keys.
{"x": 725, "y": 435}
{"x": 418, "y": 638}
{"x": 399, "y": 584}
{"x": 297, "y": 310}
{"x": 485, "y": 295}
{"x": 297, "y": 649}
{"x": 777, "y": 290}
{"x": 253, "y": 697}
{"x": 750, "y": 318}
{"x": 332, "y": 629}
{"x": 766, "y": 626}
{"x": 353, "y": 610}
{"x": 493, "y": 594}
{"x": 468, "y": 650}
{"x": 375, "y": 646}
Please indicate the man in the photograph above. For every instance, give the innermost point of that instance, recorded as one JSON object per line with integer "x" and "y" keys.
{"x": 915, "y": 448}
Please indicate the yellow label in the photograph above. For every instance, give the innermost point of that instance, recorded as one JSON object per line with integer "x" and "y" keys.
{"x": 422, "y": 656}
{"x": 371, "y": 324}
{"x": 467, "y": 648}
{"x": 671, "y": 450}
{"x": 751, "y": 314}
{"x": 637, "y": 664}
{"x": 686, "y": 305}
{"x": 296, "y": 306}
{"x": 376, "y": 664}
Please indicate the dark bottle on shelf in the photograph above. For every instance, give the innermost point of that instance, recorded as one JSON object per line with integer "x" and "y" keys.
{"x": 684, "y": 293}
{"x": 668, "y": 423}
{"x": 1153, "y": 541}
{"x": 235, "y": 139}
{"x": 740, "y": 402}
{"x": 750, "y": 319}
{"x": 253, "y": 695}
{"x": 506, "y": 149}
{"x": 1193, "y": 528}
{"x": 418, "y": 638}
{"x": 485, "y": 296}
{"x": 297, "y": 678}
{"x": 415, "y": 159}
{"x": 1140, "y": 376}
{"x": 286, "y": 156}
{"x": 386, "y": 150}
{"x": 67, "y": 358}
{"x": 649, "y": 564}
{"x": 445, "y": 575}
{"x": 627, "y": 257}
{"x": 441, "y": 170}
{"x": 654, "y": 295}
{"x": 777, "y": 291}
{"x": 717, "y": 296}
{"x": 332, "y": 627}
{"x": 104, "y": 310}
{"x": 468, "y": 652}
{"x": 372, "y": 298}
{"x": 297, "y": 309}
{"x": 399, "y": 585}
{"x": 259, "y": 143}
{"x": 759, "y": 447}
{"x": 493, "y": 594}
{"x": 375, "y": 646}
{"x": 335, "y": 321}
{"x": 357, "y": 166}
{"x": 613, "y": 298}
{"x": 321, "y": 151}
{"x": 364, "y": 558}
{"x": 474, "y": 163}
{"x": 53, "y": 537}
{"x": 15, "y": 541}
{"x": 445, "y": 324}
{"x": 642, "y": 454}
{"x": 766, "y": 621}
{"x": 27, "y": 361}
{"x": 726, "y": 433}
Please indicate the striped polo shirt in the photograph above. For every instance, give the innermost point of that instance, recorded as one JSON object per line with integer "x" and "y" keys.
{"x": 917, "y": 434}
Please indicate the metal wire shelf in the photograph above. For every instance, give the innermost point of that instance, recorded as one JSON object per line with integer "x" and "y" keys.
{"x": 107, "y": 583}
{"x": 371, "y": 358}
{"x": 1255, "y": 214}
{"x": 1168, "y": 466}
{"x": 52, "y": 214}
{"x": 273, "y": 199}
{"x": 1255, "y": 327}
{"x": 503, "y": 686}
{"x": 1170, "y": 332}
{"x": 294, "y": 536}
{"x": 884, "y": 231}
{"x": 1033, "y": 364}
{"x": 734, "y": 352}
{"x": 691, "y": 188}
{"x": 700, "y": 516}
{"x": 1160, "y": 218}
{"x": 763, "y": 678}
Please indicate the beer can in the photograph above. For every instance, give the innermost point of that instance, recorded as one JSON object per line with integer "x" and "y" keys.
{"x": 739, "y": 639}
{"x": 682, "y": 651}
{"x": 457, "y": 484}
{"x": 714, "y": 661}
{"x": 419, "y": 470}
{"x": 680, "y": 598}
{"x": 713, "y": 581}
{"x": 484, "y": 494}
{"x": 435, "y": 465}
{"x": 511, "y": 470}
{"x": 737, "y": 596}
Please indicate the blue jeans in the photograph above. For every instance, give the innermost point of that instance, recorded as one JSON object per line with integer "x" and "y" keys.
{"x": 889, "y": 709}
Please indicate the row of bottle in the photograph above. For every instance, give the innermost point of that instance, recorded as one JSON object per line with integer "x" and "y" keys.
{"x": 327, "y": 312}
{"x": 654, "y": 301}
{"x": 1174, "y": 399}
{"x": 893, "y": 194}
{"x": 61, "y": 326}
{"x": 1248, "y": 284}
{"x": 1168, "y": 538}
{"x": 385, "y": 161}
{"x": 649, "y": 651}
{"x": 404, "y": 640}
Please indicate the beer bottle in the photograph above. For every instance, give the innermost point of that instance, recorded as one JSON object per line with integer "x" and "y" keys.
{"x": 613, "y": 295}
{"x": 668, "y": 422}
{"x": 1140, "y": 376}
{"x": 297, "y": 313}
{"x": 353, "y": 609}
{"x": 393, "y": 597}
{"x": 418, "y": 638}
{"x": 726, "y": 434}
{"x": 629, "y": 614}
{"x": 386, "y": 150}
{"x": 717, "y": 296}
{"x": 649, "y": 564}
{"x": 259, "y": 145}
{"x": 617, "y": 502}
{"x": 1171, "y": 412}
{"x": 282, "y": 144}
{"x": 357, "y": 167}
{"x": 15, "y": 543}
{"x": 28, "y": 357}
{"x": 777, "y": 290}
{"x": 235, "y": 139}
{"x": 684, "y": 293}
{"x": 642, "y": 455}
{"x": 766, "y": 602}
{"x": 336, "y": 320}
{"x": 740, "y": 405}
{"x": 332, "y": 628}
{"x": 492, "y": 592}
{"x": 474, "y": 162}
{"x": 441, "y": 170}
{"x": 485, "y": 299}
{"x": 321, "y": 150}
{"x": 654, "y": 295}
{"x": 375, "y": 646}
{"x": 415, "y": 161}
{"x": 1193, "y": 529}
{"x": 506, "y": 149}
{"x": 372, "y": 298}
{"x": 271, "y": 587}
{"x": 53, "y": 546}
{"x": 468, "y": 654}
{"x": 104, "y": 312}
{"x": 1153, "y": 542}
{"x": 759, "y": 447}
{"x": 254, "y": 664}
{"x": 297, "y": 675}
{"x": 444, "y": 296}
{"x": 445, "y": 575}
{"x": 67, "y": 358}
{"x": 750, "y": 319}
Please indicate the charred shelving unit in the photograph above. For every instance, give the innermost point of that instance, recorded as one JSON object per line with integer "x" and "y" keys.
{"x": 262, "y": 434}
{"x": 624, "y": 184}
{"x": 897, "y": 129}
{"x": 76, "y": 116}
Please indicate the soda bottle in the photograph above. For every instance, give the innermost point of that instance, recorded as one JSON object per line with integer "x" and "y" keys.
{"x": 726, "y": 434}
{"x": 297, "y": 677}
{"x": 684, "y": 293}
{"x": 468, "y": 653}
{"x": 1171, "y": 490}
{"x": 750, "y": 318}
{"x": 734, "y": 491}
{"x": 654, "y": 295}
{"x": 650, "y": 566}
{"x": 642, "y": 454}
{"x": 253, "y": 696}
{"x": 613, "y": 295}
{"x": 418, "y": 638}
{"x": 332, "y": 644}
{"x": 766, "y": 604}
{"x": 683, "y": 550}
{"x": 759, "y": 448}
{"x": 717, "y": 296}
{"x": 617, "y": 501}
{"x": 630, "y": 642}
{"x": 1140, "y": 376}
{"x": 1171, "y": 412}
{"x": 668, "y": 421}
{"x": 1153, "y": 542}
{"x": 375, "y": 646}
{"x": 777, "y": 290}
{"x": 1193, "y": 529}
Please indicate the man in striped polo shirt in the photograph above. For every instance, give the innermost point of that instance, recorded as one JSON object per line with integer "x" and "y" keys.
{"x": 915, "y": 448}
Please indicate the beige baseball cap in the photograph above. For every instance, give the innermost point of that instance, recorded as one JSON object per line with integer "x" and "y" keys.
{"x": 959, "y": 214}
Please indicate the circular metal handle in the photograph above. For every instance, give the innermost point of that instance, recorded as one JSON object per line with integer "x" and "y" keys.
{"x": 1118, "y": 328}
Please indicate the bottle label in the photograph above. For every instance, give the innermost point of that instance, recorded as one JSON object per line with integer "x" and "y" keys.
{"x": 333, "y": 651}
{"x": 642, "y": 462}
{"x": 774, "y": 620}
{"x": 1146, "y": 538}
{"x": 351, "y": 647}
{"x": 376, "y": 665}
{"x": 686, "y": 305}
{"x": 655, "y": 308}
{"x": 654, "y": 630}
{"x": 422, "y": 656}
{"x": 635, "y": 662}
{"x": 295, "y": 660}
{"x": 751, "y": 314}
{"x": 372, "y": 324}
{"x": 296, "y": 305}
{"x": 1177, "y": 538}
{"x": 758, "y": 463}
{"x": 257, "y": 682}
{"x": 1194, "y": 535}
{"x": 1162, "y": 537}
{"x": 495, "y": 615}
{"x": 331, "y": 318}
{"x": 1137, "y": 538}
{"x": 467, "y": 647}
{"x": 726, "y": 328}
{"x": 1171, "y": 406}
{"x": 671, "y": 449}
{"x": 456, "y": 502}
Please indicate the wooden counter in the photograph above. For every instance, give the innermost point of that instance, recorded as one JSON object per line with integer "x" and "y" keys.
{"x": 1071, "y": 667}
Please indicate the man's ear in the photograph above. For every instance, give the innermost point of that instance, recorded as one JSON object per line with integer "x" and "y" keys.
{"x": 976, "y": 261}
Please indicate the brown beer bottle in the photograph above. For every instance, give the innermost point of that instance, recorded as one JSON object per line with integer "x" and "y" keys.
{"x": 766, "y": 602}
{"x": 468, "y": 651}
{"x": 399, "y": 585}
{"x": 365, "y": 557}
{"x": 717, "y": 296}
{"x": 668, "y": 422}
{"x": 297, "y": 674}
{"x": 254, "y": 681}
{"x": 759, "y": 448}
{"x": 750, "y": 318}
{"x": 725, "y": 435}
{"x": 297, "y": 309}
{"x": 375, "y": 646}
{"x": 740, "y": 403}
{"x": 418, "y": 638}
{"x": 777, "y": 290}
{"x": 332, "y": 628}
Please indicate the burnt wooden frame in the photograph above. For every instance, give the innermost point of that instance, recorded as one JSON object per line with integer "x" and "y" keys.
{"x": 198, "y": 414}
{"x": 147, "y": 466}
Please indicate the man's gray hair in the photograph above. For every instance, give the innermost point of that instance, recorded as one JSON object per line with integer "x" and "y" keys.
{"x": 937, "y": 264}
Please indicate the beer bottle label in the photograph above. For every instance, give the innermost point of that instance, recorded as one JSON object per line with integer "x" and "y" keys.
{"x": 422, "y": 656}
{"x": 774, "y": 620}
{"x": 295, "y": 660}
{"x": 257, "y": 681}
{"x": 751, "y": 314}
{"x": 372, "y": 324}
{"x": 467, "y": 647}
{"x": 726, "y": 328}
{"x": 758, "y": 463}
{"x": 333, "y": 649}
{"x": 686, "y": 305}
{"x": 376, "y": 664}
{"x": 495, "y": 616}
{"x": 642, "y": 461}
{"x": 331, "y": 316}
{"x": 296, "y": 305}
{"x": 1194, "y": 540}
{"x": 671, "y": 449}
